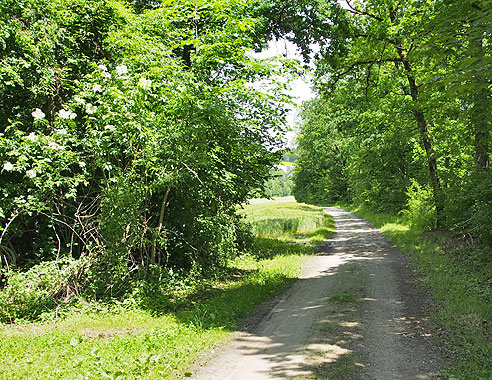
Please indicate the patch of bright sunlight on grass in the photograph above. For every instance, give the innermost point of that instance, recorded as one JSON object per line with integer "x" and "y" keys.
{"x": 389, "y": 227}
{"x": 286, "y": 220}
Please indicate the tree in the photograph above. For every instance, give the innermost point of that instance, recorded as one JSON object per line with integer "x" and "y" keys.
{"x": 129, "y": 138}
{"x": 460, "y": 42}
{"x": 279, "y": 184}
{"x": 384, "y": 36}
{"x": 394, "y": 48}
{"x": 321, "y": 168}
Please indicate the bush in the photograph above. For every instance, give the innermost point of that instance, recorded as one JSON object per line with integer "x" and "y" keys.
{"x": 471, "y": 212}
{"x": 28, "y": 294}
{"x": 420, "y": 211}
{"x": 116, "y": 132}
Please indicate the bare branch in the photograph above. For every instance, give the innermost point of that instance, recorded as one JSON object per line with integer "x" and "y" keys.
{"x": 59, "y": 242}
{"x": 192, "y": 171}
{"x": 15, "y": 214}
{"x": 361, "y": 12}
{"x": 66, "y": 224}
{"x": 371, "y": 62}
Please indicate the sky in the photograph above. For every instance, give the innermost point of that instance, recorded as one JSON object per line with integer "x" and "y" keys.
{"x": 301, "y": 88}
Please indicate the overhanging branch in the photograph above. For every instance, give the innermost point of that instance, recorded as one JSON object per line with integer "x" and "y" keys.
{"x": 361, "y": 12}
{"x": 370, "y": 62}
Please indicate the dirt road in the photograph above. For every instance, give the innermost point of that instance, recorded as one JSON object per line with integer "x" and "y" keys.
{"x": 353, "y": 314}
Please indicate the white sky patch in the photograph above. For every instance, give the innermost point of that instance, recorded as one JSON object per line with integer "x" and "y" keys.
{"x": 300, "y": 88}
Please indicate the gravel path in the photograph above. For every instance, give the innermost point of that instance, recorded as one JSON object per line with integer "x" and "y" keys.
{"x": 353, "y": 314}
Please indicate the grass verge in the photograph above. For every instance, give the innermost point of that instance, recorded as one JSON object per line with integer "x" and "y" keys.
{"x": 123, "y": 341}
{"x": 459, "y": 279}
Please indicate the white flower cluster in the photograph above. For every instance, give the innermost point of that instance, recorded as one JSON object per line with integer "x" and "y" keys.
{"x": 121, "y": 70}
{"x": 90, "y": 109}
{"x": 37, "y": 114}
{"x": 145, "y": 83}
{"x": 67, "y": 114}
{"x": 104, "y": 71}
{"x": 54, "y": 145}
{"x": 32, "y": 137}
{"x": 8, "y": 167}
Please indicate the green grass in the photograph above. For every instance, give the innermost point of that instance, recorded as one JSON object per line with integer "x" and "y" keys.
{"x": 343, "y": 298}
{"x": 287, "y": 221}
{"x": 459, "y": 279}
{"x": 95, "y": 341}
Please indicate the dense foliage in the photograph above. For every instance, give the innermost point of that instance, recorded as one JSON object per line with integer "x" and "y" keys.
{"x": 128, "y": 134}
{"x": 403, "y": 117}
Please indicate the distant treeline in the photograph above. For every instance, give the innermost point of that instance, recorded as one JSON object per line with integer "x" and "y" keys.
{"x": 279, "y": 185}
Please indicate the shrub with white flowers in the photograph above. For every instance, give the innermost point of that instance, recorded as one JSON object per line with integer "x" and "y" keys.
{"x": 136, "y": 155}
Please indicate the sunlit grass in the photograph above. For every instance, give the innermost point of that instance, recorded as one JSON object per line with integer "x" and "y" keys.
{"x": 284, "y": 219}
{"x": 135, "y": 344}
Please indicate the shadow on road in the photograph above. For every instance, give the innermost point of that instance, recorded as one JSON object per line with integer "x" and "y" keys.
{"x": 351, "y": 315}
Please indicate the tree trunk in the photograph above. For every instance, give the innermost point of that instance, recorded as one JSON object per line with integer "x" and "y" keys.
{"x": 159, "y": 227}
{"x": 482, "y": 159}
{"x": 432, "y": 164}
{"x": 424, "y": 135}
{"x": 480, "y": 110}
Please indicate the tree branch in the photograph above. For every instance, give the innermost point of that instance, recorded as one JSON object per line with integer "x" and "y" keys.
{"x": 15, "y": 214}
{"x": 362, "y": 13}
{"x": 371, "y": 62}
{"x": 159, "y": 227}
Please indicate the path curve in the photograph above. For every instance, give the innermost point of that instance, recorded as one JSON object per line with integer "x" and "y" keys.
{"x": 353, "y": 314}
